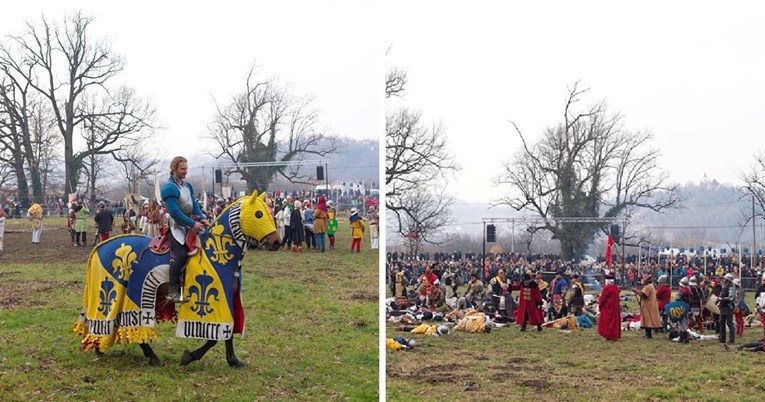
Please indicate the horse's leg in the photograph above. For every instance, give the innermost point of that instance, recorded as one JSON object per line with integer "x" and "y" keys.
{"x": 189, "y": 357}
{"x": 231, "y": 357}
{"x": 149, "y": 352}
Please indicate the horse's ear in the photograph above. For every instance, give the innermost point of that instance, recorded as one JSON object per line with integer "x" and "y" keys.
{"x": 254, "y": 196}
{"x": 263, "y": 197}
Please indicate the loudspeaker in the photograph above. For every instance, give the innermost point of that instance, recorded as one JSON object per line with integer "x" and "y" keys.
{"x": 319, "y": 172}
{"x": 491, "y": 233}
{"x": 615, "y": 232}
{"x": 218, "y": 176}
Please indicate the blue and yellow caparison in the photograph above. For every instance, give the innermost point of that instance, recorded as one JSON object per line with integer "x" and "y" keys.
{"x": 123, "y": 276}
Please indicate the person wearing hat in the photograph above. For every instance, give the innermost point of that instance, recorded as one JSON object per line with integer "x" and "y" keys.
{"x": 498, "y": 288}
{"x": 610, "y": 317}
{"x": 35, "y": 214}
{"x": 81, "y": 225}
{"x": 320, "y": 216}
{"x": 559, "y": 287}
{"x": 663, "y": 297}
{"x": 759, "y": 297}
{"x": 741, "y": 307}
{"x": 697, "y": 303}
{"x": 649, "y": 307}
{"x": 529, "y": 303}
{"x": 726, "y": 301}
{"x": 474, "y": 291}
{"x": 331, "y": 223}
{"x": 357, "y": 230}
{"x": 543, "y": 286}
{"x": 71, "y": 220}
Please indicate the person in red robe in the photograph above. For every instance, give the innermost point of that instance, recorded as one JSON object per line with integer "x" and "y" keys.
{"x": 610, "y": 318}
{"x": 663, "y": 296}
{"x": 529, "y": 303}
{"x": 428, "y": 282}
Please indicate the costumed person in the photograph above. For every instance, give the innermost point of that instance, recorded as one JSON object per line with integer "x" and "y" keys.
{"x": 35, "y": 214}
{"x": 307, "y": 215}
{"x": 543, "y": 286}
{"x": 71, "y": 221}
{"x": 153, "y": 219}
{"x": 296, "y": 226}
{"x": 3, "y": 218}
{"x": 759, "y": 296}
{"x": 127, "y": 227}
{"x": 286, "y": 218}
{"x": 357, "y": 230}
{"x": 177, "y": 196}
{"x": 697, "y": 304}
{"x": 374, "y": 227}
{"x": 474, "y": 292}
{"x": 81, "y": 227}
{"x": 529, "y": 303}
{"x": 559, "y": 287}
{"x": 663, "y": 297}
{"x": 104, "y": 220}
{"x": 278, "y": 219}
{"x": 498, "y": 288}
{"x": 331, "y": 224}
{"x": 320, "y": 217}
{"x": 726, "y": 301}
{"x": 649, "y": 308}
{"x": 428, "y": 283}
{"x": 677, "y": 312}
{"x": 610, "y": 318}
{"x": 576, "y": 301}
{"x": 740, "y": 307}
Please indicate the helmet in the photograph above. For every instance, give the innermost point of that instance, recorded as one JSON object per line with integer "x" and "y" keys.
{"x": 411, "y": 343}
{"x": 684, "y": 281}
{"x": 330, "y": 203}
{"x": 354, "y": 210}
{"x": 663, "y": 279}
{"x": 443, "y": 330}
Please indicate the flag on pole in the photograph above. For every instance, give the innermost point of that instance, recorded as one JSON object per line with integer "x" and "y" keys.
{"x": 609, "y": 246}
{"x": 157, "y": 192}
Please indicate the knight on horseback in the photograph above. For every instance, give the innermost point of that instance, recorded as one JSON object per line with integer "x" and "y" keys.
{"x": 178, "y": 196}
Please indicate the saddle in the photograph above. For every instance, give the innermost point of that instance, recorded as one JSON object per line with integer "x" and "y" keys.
{"x": 161, "y": 243}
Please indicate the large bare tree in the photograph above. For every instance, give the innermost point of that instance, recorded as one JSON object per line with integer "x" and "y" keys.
{"x": 586, "y": 166}
{"x": 267, "y": 124}
{"x": 417, "y": 164}
{"x": 754, "y": 185}
{"x": 66, "y": 65}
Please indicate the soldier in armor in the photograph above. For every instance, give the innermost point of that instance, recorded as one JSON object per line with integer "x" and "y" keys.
{"x": 178, "y": 198}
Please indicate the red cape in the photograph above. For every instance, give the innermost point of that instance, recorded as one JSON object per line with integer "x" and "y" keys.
{"x": 610, "y": 319}
{"x": 528, "y": 304}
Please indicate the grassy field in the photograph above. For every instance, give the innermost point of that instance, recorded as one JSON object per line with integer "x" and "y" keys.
{"x": 578, "y": 366}
{"x": 311, "y": 333}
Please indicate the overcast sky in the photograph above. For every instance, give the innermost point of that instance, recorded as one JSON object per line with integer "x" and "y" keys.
{"x": 181, "y": 56}
{"x": 690, "y": 73}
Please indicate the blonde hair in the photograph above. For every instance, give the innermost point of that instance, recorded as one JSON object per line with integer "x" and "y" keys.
{"x": 175, "y": 163}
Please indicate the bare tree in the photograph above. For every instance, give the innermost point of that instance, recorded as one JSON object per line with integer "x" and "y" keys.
{"x": 395, "y": 82}
{"x": 138, "y": 163}
{"x": 65, "y": 65}
{"x": 587, "y": 166}
{"x": 417, "y": 160}
{"x": 754, "y": 185}
{"x": 267, "y": 124}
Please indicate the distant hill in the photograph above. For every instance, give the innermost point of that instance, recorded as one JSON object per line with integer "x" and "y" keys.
{"x": 711, "y": 214}
{"x": 357, "y": 160}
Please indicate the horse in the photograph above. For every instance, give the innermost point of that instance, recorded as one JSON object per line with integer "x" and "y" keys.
{"x": 126, "y": 285}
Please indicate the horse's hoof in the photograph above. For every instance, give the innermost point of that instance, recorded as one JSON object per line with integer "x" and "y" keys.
{"x": 236, "y": 363}
{"x": 155, "y": 362}
{"x": 187, "y": 358}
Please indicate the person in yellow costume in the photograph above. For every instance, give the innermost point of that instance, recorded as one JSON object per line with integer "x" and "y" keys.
{"x": 357, "y": 230}
{"x": 35, "y": 214}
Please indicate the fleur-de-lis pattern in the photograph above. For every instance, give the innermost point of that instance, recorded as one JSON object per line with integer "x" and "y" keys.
{"x": 217, "y": 243}
{"x": 125, "y": 256}
{"x": 202, "y": 294}
{"x": 106, "y": 295}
